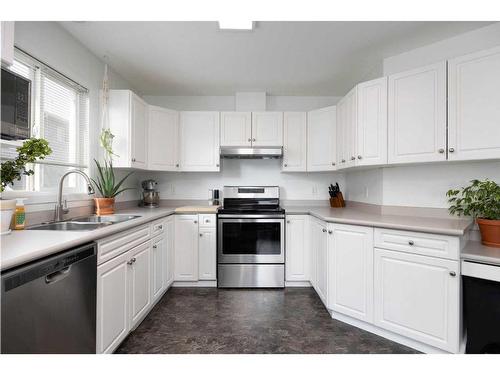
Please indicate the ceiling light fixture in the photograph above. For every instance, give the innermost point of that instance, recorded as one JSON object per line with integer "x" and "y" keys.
{"x": 235, "y": 25}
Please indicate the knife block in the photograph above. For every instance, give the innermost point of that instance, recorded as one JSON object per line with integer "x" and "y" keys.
{"x": 338, "y": 201}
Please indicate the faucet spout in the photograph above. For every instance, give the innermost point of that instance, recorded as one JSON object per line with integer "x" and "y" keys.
{"x": 60, "y": 210}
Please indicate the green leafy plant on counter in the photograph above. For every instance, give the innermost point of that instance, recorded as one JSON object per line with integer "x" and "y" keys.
{"x": 12, "y": 170}
{"x": 106, "y": 182}
{"x": 481, "y": 200}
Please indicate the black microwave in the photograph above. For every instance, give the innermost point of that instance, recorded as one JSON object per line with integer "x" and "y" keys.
{"x": 16, "y": 106}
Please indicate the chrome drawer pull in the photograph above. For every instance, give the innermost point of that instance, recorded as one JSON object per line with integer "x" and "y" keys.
{"x": 411, "y": 243}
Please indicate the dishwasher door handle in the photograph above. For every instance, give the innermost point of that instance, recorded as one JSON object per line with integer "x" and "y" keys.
{"x": 57, "y": 276}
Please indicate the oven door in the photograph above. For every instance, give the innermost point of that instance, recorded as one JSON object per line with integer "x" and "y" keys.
{"x": 251, "y": 240}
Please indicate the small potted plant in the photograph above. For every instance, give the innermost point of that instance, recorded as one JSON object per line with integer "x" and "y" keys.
{"x": 481, "y": 200}
{"x": 105, "y": 181}
{"x": 12, "y": 170}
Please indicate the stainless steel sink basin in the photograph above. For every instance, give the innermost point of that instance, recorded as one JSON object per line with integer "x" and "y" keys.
{"x": 104, "y": 219}
{"x": 69, "y": 225}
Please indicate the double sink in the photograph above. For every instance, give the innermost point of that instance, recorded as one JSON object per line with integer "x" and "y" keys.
{"x": 85, "y": 223}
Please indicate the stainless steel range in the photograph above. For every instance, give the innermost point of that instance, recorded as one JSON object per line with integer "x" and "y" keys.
{"x": 251, "y": 238}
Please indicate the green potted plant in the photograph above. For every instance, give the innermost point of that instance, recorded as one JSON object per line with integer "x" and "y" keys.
{"x": 481, "y": 200}
{"x": 106, "y": 182}
{"x": 12, "y": 170}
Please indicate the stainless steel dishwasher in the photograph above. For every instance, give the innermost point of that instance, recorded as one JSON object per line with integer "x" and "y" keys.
{"x": 49, "y": 306}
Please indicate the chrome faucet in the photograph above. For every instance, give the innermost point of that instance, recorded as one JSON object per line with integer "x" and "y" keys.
{"x": 60, "y": 210}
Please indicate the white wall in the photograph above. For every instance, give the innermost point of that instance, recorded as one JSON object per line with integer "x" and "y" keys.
{"x": 53, "y": 45}
{"x": 227, "y": 103}
{"x": 195, "y": 185}
{"x": 425, "y": 185}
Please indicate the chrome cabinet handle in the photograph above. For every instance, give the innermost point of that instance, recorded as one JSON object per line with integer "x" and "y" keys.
{"x": 324, "y": 230}
{"x": 330, "y": 232}
{"x": 285, "y": 165}
{"x": 353, "y": 158}
{"x": 453, "y": 273}
{"x": 131, "y": 261}
{"x": 249, "y": 139}
{"x": 343, "y": 160}
{"x": 288, "y": 221}
{"x": 360, "y": 157}
{"x": 155, "y": 247}
{"x": 411, "y": 243}
{"x": 441, "y": 150}
{"x": 160, "y": 227}
{"x": 201, "y": 234}
{"x": 333, "y": 163}
{"x": 253, "y": 140}
{"x": 451, "y": 149}
{"x": 133, "y": 159}
{"x": 207, "y": 221}
{"x": 196, "y": 222}
{"x": 177, "y": 165}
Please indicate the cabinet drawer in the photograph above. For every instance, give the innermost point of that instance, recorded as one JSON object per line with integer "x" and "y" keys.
{"x": 157, "y": 227}
{"x": 435, "y": 245}
{"x": 119, "y": 243}
{"x": 207, "y": 220}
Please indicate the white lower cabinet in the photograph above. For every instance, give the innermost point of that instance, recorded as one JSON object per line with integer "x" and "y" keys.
{"x": 207, "y": 254}
{"x": 350, "y": 270}
{"x": 418, "y": 297}
{"x": 140, "y": 283}
{"x": 319, "y": 251}
{"x": 159, "y": 267}
{"x": 297, "y": 263}
{"x": 170, "y": 244}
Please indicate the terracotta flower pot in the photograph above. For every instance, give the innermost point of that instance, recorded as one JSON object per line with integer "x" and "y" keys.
{"x": 104, "y": 206}
{"x": 490, "y": 232}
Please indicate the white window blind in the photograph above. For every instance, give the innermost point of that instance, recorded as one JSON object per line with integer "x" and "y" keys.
{"x": 60, "y": 114}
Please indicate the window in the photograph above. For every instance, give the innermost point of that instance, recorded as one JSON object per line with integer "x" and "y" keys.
{"x": 60, "y": 114}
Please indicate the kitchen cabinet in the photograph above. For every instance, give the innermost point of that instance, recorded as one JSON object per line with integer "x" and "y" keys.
{"x": 199, "y": 141}
{"x": 297, "y": 248}
{"x": 128, "y": 122}
{"x": 321, "y": 143}
{"x": 319, "y": 269}
{"x": 371, "y": 134}
{"x": 350, "y": 270}
{"x": 418, "y": 297}
{"x": 473, "y": 106}
{"x": 417, "y": 115}
{"x": 163, "y": 139}
{"x": 346, "y": 135}
{"x": 294, "y": 141}
{"x": 7, "y": 33}
{"x": 236, "y": 129}
{"x": 207, "y": 250}
{"x": 140, "y": 283}
{"x": 267, "y": 129}
{"x": 170, "y": 245}
{"x": 159, "y": 267}
{"x": 112, "y": 303}
{"x": 186, "y": 248}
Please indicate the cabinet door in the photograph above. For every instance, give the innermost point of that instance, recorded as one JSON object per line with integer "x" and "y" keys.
{"x": 371, "y": 135}
{"x": 417, "y": 115}
{"x": 294, "y": 141}
{"x": 140, "y": 282}
{"x": 350, "y": 270}
{"x": 474, "y": 106}
{"x": 159, "y": 267}
{"x": 339, "y": 142}
{"x": 267, "y": 128}
{"x": 169, "y": 235}
{"x": 236, "y": 129}
{"x": 418, "y": 297}
{"x": 139, "y": 123}
{"x": 297, "y": 252}
{"x": 350, "y": 128}
{"x": 163, "y": 135}
{"x": 207, "y": 253}
{"x": 199, "y": 141}
{"x": 186, "y": 248}
{"x": 322, "y": 265}
{"x": 112, "y": 303}
{"x": 321, "y": 144}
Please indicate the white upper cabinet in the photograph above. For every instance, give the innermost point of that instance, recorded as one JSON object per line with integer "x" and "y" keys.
{"x": 7, "y": 33}
{"x": 371, "y": 135}
{"x": 294, "y": 141}
{"x": 267, "y": 128}
{"x": 321, "y": 134}
{"x": 474, "y": 106}
{"x": 199, "y": 141}
{"x": 163, "y": 134}
{"x": 346, "y": 134}
{"x": 236, "y": 129}
{"x": 417, "y": 115}
{"x": 128, "y": 116}
{"x": 350, "y": 270}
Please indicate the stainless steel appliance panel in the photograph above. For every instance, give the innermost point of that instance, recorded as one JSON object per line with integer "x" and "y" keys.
{"x": 49, "y": 306}
{"x": 251, "y": 276}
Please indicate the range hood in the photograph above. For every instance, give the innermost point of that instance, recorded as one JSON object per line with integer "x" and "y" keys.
{"x": 230, "y": 152}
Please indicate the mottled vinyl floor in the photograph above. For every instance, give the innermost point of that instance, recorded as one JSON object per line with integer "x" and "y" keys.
{"x": 210, "y": 320}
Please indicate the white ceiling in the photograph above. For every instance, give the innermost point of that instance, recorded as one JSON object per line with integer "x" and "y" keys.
{"x": 281, "y": 58}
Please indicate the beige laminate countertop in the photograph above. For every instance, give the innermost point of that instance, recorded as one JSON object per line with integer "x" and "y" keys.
{"x": 356, "y": 216}
{"x": 476, "y": 251}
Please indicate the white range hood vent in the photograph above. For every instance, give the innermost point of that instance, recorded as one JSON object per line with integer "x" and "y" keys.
{"x": 229, "y": 152}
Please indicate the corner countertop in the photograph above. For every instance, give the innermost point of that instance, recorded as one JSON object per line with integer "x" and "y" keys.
{"x": 357, "y": 216}
{"x": 477, "y": 252}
